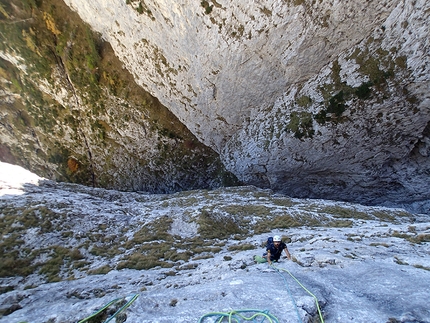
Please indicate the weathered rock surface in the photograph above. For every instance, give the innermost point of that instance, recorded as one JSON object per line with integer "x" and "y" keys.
{"x": 66, "y": 250}
{"x": 71, "y": 112}
{"x": 214, "y": 63}
{"x": 312, "y": 98}
{"x": 360, "y": 127}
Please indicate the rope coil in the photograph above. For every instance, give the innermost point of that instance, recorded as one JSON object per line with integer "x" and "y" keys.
{"x": 237, "y": 316}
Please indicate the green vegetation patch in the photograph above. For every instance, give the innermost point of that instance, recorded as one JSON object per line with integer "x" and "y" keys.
{"x": 245, "y": 210}
{"x": 344, "y": 212}
{"x": 242, "y": 247}
{"x": 277, "y": 222}
{"x": 139, "y": 261}
{"x": 61, "y": 260}
{"x": 412, "y": 237}
{"x": 141, "y": 7}
{"x": 208, "y": 8}
{"x": 301, "y": 124}
{"x": 216, "y": 226}
{"x": 304, "y": 101}
{"x": 379, "y": 66}
{"x": 13, "y": 264}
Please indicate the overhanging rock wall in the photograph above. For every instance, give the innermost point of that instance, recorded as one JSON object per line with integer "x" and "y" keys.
{"x": 314, "y": 98}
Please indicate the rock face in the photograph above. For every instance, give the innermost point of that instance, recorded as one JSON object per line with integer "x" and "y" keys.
{"x": 359, "y": 127}
{"x": 71, "y": 112}
{"x": 66, "y": 250}
{"x": 312, "y": 98}
{"x": 213, "y": 64}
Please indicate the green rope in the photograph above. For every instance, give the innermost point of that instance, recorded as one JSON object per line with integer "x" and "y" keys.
{"x": 301, "y": 285}
{"x": 116, "y": 300}
{"x": 123, "y": 308}
{"x": 289, "y": 292}
{"x": 237, "y": 316}
{"x": 100, "y": 310}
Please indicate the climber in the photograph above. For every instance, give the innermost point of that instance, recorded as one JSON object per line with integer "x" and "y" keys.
{"x": 274, "y": 249}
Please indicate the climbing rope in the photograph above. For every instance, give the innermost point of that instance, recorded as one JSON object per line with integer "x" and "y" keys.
{"x": 100, "y": 310}
{"x": 237, "y": 316}
{"x": 301, "y": 285}
{"x": 126, "y": 305}
{"x": 289, "y": 292}
{"x": 116, "y": 300}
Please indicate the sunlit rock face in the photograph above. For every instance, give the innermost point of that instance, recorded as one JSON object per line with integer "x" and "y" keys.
{"x": 313, "y": 98}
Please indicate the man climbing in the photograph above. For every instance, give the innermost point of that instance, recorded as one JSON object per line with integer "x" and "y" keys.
{"x": 274, "y": 250}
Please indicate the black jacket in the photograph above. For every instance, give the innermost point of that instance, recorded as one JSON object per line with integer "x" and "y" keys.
{"x": 275, "y": 253}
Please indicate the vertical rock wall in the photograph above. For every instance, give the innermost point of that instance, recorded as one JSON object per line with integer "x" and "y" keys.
{"x": 313, "y": 98}
{"x": 70, "y": 111}
{"x": 214, "y": 62}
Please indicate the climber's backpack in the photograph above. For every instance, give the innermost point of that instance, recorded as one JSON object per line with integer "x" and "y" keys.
{"x": 269, "y": 242}
{"x": 260, "y": 259}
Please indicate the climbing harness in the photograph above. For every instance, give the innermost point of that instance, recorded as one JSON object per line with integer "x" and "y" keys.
{"x": 116, "y": 300}
{"x": 237, "y": 316}
{"x": 278, "y": 270}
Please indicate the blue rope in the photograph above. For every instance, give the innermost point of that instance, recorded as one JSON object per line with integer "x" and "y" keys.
{"x": 123, "y": 308}
{"x": 289, "y": 292}
{"x": 301, "y": 285}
